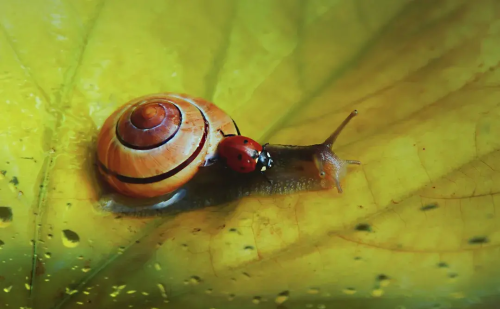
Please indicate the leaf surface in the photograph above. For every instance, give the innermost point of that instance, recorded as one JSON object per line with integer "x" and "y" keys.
{"x": 416, "y": 226}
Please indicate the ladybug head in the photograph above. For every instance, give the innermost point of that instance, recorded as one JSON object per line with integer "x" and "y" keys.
{"x": 264, "y": 160}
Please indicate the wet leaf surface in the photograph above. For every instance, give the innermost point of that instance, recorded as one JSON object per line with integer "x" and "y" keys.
{"x": 416, "y": 226}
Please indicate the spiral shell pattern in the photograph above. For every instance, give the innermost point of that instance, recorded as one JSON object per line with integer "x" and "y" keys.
{"x": 156, "y": 143}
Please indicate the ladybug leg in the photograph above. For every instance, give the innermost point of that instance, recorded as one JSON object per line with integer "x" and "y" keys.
{"x": 265, "y": 176}
{"x": 225, "y": 135}
{"x": 209, "y": 162}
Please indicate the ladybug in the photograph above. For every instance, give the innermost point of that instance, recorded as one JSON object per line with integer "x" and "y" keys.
{"x": 243, "y": 154}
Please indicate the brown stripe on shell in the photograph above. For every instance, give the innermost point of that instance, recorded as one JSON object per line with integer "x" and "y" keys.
{"x": 144, "y": 139}
{"x": 153, "y": 168}
{"x": 149, "y": 163}
{"x": 168, "y": 174}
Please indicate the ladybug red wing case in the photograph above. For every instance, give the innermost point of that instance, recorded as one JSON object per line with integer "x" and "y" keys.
{"x": 240, "y": 153}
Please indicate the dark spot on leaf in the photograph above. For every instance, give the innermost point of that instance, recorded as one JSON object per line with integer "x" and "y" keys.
{"x": 196, "y": 229}
{"x": 453, "y": 275}
{"x": 284, "y": 293}
{"x": 14, "y": 181}
{"x": 3, "y": 172}
{"x": 443, "y": 265}
{"x": 429, "y": 207}
{"x": 249, "y": 248}
{"x": 232, "y": 230}
{"x": 245, "y": 141}
{"x": 1, "y": 243}
{"x": 240, "y": 157}
{"x": 5, "y": 214}
{"x": 478, "y": 240}
{"x": 357, "y": 258}
{"x": 382, "y": 277}
{"x": 363, "y": 227}
{"x": 71, "y": 236}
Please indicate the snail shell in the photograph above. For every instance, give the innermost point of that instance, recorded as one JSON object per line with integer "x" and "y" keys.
{"x": 156, "y": 143}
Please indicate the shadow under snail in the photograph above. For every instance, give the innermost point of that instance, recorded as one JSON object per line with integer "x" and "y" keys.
{"x": 170, "y": 152}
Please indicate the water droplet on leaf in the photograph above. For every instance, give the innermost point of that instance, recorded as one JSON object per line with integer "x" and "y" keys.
{"x": 70, "y": 239}
{"x": 6, "y": 216}
{"x": 282, "y": 297}
{"x": 377, "y": 292}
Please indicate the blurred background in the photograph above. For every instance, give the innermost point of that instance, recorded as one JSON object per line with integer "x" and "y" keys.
{"x": 416, "y": 226}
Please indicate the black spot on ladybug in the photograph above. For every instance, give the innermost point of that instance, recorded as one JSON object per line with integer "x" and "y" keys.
{"x": 245, "y": 141}
{"x": 429, "y": 207}
{"x": 363, "y": 227}
{"x": 478, "y": 240}
{"x": 240, "y": 157}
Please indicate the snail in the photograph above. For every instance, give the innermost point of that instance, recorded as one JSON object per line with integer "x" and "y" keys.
{"x": 171, "y": 152}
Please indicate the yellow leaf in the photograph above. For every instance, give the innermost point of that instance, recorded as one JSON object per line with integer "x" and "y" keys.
{"x": 416, "y": 225}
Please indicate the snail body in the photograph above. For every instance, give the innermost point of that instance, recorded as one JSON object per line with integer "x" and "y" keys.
{"x": 171, "y": 152}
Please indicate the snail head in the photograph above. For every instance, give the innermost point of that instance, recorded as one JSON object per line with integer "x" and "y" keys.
{"x": 331, "y": 168}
